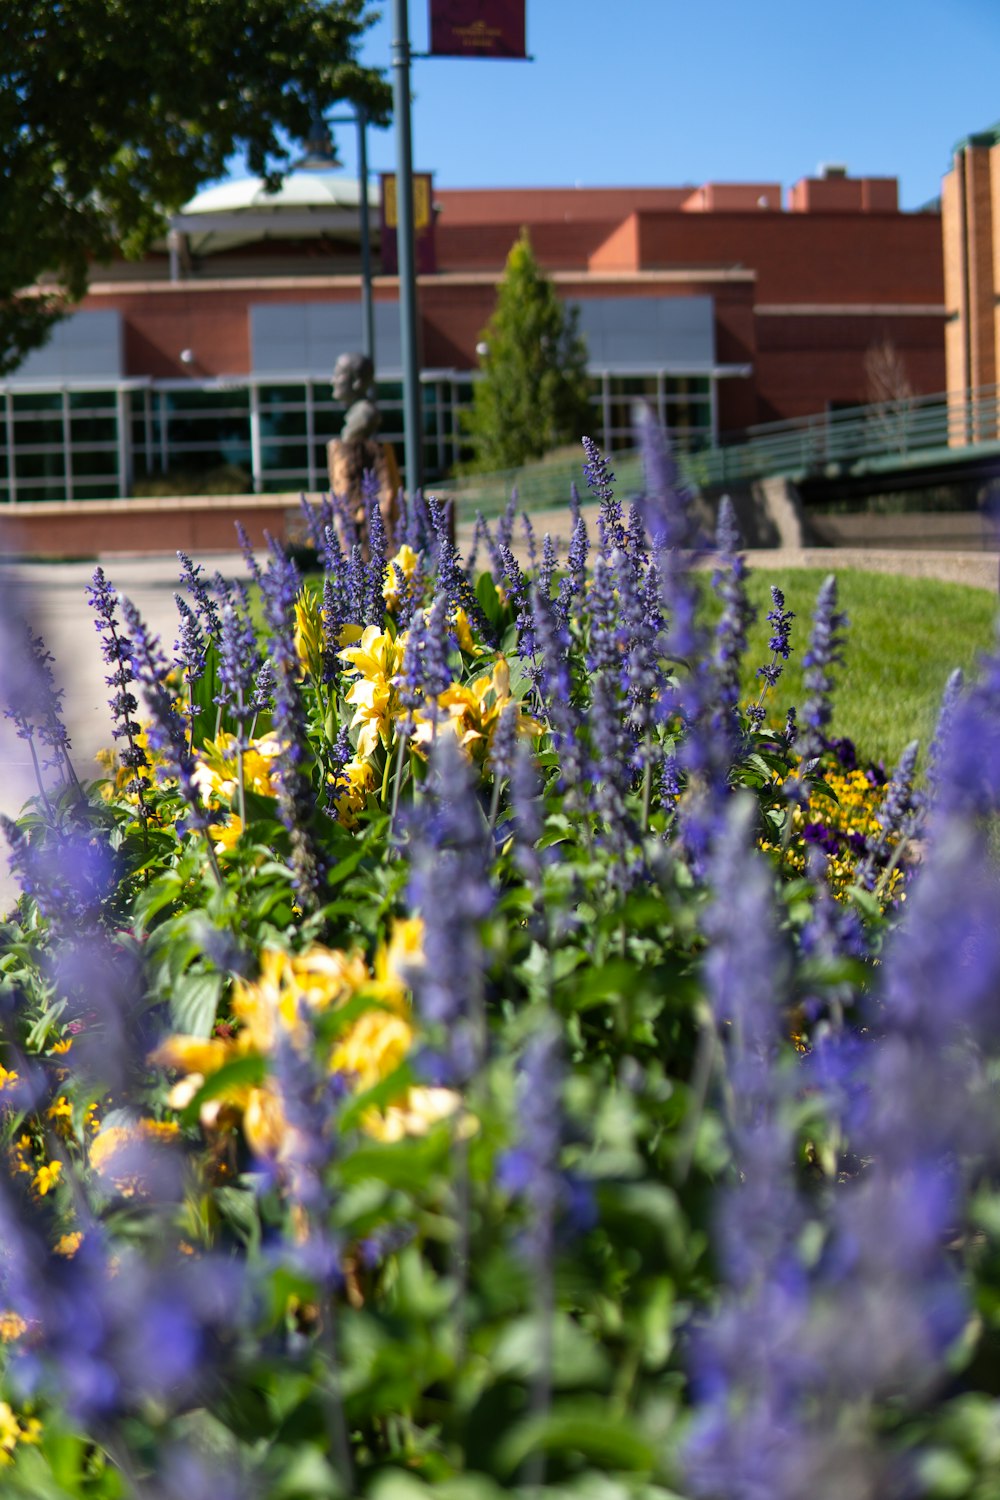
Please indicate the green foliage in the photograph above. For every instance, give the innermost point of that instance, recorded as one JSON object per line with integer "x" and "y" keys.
{"x": 905, "y": 636}
{"x": 113, "y": 114}
{"x": 534, "y": 394}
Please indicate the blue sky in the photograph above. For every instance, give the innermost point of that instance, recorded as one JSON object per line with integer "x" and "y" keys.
{"x": 667, "y": 92}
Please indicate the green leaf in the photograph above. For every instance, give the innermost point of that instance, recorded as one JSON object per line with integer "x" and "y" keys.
{"x": 580, "y": 1430}
{"x": 243, "y": 1072}
{"x": 194, "y": 1002}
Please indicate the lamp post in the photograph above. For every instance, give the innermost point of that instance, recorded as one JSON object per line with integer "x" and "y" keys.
{"x": 412, "y": 415}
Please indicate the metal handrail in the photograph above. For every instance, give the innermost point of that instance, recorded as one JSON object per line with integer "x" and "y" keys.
{"x": 814, "y": 444}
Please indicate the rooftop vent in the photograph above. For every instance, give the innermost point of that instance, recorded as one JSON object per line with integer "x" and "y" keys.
{"x": 828, "y": 169}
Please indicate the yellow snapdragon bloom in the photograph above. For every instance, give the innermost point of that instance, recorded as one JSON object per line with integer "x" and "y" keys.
{"x": 367, "y": 1051}
{"x": 377, "y": 660}
{"x": 471, "y": 711}
{"x": 309, "y": 633}
{"x": 350, "y": 799}
{"x": 406, "y": 561}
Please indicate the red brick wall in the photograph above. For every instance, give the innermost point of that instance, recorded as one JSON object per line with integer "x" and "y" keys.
{"x": 824, "y": 258}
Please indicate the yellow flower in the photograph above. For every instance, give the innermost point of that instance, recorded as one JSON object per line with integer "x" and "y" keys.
{"x": 472, "y": 711}
{"x": 12, "y": 1326}
{"x": 463, "y": 631}
{"x": 377, "y": 659}
{"x": 107, "y": 1150}
{"x": 46, "y": 1178}
{"x": 13, "y": 1432}
{"x": 68, "y": 1244}
{"x": 61, "y": 1115}
{"x": 350, "y": 799}
{"x": 406, "y": 561}
{"x": 393, "y": 960}
{"x": 8, "y": 1078}
{"x": 309, "y": 633}
{"x": 372, "y": 1048}
{"x": 10, "y": 1433}
{"x": 421, "y": 1108}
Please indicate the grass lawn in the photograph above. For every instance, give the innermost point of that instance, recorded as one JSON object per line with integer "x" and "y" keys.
{"x": 904, "y": 638}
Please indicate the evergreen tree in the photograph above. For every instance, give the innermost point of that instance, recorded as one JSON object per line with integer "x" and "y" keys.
{"x": 534, "y": 394}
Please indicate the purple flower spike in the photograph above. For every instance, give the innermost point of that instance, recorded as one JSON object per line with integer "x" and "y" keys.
{"x": 826, "y": 651}
{"x": 451, "y": 890}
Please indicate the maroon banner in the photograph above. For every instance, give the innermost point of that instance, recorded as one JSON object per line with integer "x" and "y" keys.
{"x": 477, "y": 28}
{"x": 423, "y": 224}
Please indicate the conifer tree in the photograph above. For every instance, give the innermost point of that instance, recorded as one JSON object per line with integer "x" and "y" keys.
{"x": 534, "y": 394}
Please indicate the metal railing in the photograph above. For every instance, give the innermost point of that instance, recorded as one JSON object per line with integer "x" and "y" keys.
{"x": 888, "y": 434}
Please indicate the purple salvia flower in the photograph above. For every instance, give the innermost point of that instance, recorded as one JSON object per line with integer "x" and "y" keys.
{"x": 949, "y": 701}
{"x": 263, "y": 691}
{"x": 356, "y": 583}
{"x": 249, "y": 557}
{"x": 968, "y": 760}
{"x": 334, "y": 560}
{"x": 33, "y": 702}
{"x": 636, "y": 540}
{"x": 190, "y": 653}
{"x": 116, "y": 651}
{"x": 166, "y": 732}
{"x": 337, "y": 781}
{"x": 600, "y": 479}
{"x": 530, "y": 1170}
{"x": 296, "y": 800}
{"x": 239, "y": 664}
{"x": 516, "y": 585}
{"x": 780, "y": 647}
{"x": 414, "y": 522}
{"x": 504, "y": 743}
{"x": 208, "y": 613}
{"x": 547, "y": 568}
{"x": 602, "y": 610}
{"x": 70, "y": 873}
{"x": 411, "y": 592}
{"x": 346, "y": 520}
{"x": 826, "y": 651}
{"x": 899, "y": 818}
{"x": 451, "y": 578}
{"x": 527, "y": 811}
{"x": 666, "y": 510}
{"x": 334, "y": 617}
{"x": 373, "y": 606}
{"x": 318, "y": 518}
{"x": 425, "y": 671}
{"x": 555, "y": 693}
{"x": 611, "y": 773}
{"x": 450, "y": 888}
{"x": 729, "y": 582}
{"x": 572, "y": 585}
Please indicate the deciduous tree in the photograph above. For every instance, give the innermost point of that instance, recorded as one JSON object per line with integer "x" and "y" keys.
{"x": 114, "y": 112}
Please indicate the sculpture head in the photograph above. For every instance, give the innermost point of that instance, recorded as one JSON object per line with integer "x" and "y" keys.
{"x": 352, "y": 377}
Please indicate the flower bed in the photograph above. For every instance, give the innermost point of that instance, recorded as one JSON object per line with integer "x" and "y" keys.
{"x": 465, "y": 1048}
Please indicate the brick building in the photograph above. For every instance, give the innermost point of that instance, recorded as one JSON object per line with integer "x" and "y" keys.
{"x": 970, "y": 222}
{"x": 723, "y": 305}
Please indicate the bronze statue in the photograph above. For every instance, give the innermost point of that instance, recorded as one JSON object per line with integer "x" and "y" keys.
{"x": 358, "y": 451}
